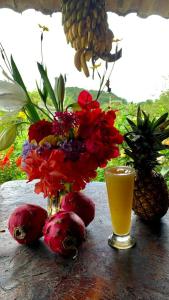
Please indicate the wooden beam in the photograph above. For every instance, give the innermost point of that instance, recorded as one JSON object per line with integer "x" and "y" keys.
{"x": 143, "y": 8}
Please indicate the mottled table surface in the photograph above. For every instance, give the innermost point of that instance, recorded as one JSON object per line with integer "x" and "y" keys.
{"x": 99, "y": 272}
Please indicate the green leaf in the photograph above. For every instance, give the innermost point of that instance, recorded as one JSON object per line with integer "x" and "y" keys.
{"x": 32, "y": 113}
{"x": 61, "y": 90}
{"x": 152, "y": 122}
{"x": 164, "y": 125}
{"x": 161, "y": 120}
{"x": 139, "y": 119}
{"x": 129, "y": 142}
{"x": 147, "y": 126}
{"x": 146, "y": 118}
{"x": 132, "y": 124}
{"x": 48, "y": 85}
{"x": 129, "y": 153}
{"x": 16, "y": 75}
{"x": 162, "y": 135}
{"x": 45, "y": 92}
{"x": 30, "y": 109}
{"x": 7, "y": 136}
{"x": 41, "y": 94}
{"x": 164, "y": 171}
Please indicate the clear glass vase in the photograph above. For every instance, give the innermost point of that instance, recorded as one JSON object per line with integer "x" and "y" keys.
{"x": 53, "y": 205}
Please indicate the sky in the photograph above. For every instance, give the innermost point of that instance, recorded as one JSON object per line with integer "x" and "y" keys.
{"x": 142, "y": 73}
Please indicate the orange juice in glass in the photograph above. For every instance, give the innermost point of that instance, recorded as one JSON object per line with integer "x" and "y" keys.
{"x": 120, "y": 185}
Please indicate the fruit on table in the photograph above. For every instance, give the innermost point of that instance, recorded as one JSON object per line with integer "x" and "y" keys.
{"x": 86, "y": 29}
{"x": 64, "y": 232}
{"x": 144, "y": 140}
{"x": 79, "y": 203}
{"x": 26, "y": 223}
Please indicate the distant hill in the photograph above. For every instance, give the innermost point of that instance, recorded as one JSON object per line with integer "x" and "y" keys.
{"x": 105, "y": 98}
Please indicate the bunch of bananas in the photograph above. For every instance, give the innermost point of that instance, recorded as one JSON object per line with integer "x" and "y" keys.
{"x": 86, "y": 29}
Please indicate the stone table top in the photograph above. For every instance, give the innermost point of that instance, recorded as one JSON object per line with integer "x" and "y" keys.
{"x": 98, "y": 273}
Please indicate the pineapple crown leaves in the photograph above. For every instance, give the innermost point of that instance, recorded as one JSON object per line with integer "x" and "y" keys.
{"x": 144, "y": 139}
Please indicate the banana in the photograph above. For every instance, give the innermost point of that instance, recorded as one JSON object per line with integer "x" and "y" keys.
{"x": 77, "y": 59}
{"x": 83, "y": 42}
{"x": 96, "y": 47}
{"x": 70, "y": 36}
{"x": 95, "y": 14}
{"x": 68, "y": 23}
{"x": 88, "y": 22}
{"x": 71, "y": 6}
{"x": 85, "y": 12}
{"x": 73, "y": 36}
{"x": 74, "y": 45}
{"x": 103, "y": 14}
{"x": 86, "y": 3}
{"x": 108, "y": 46}
{"x": 74, "y": 30}
{"x": 99, "y": 19}
{"x": 102, "y": 48}
{"x": 109, "y": 35}
{"x": 74, "y": 17}
{"x": 93, "y": 25}
{"x": 86, "y": 29}
{"x": 78, "y": 43}
{"x": 78, "y": 4}
{"x": 80, "y": 28}
{"x": 90, "y": 37}
{"x": 84, "y": 64}
{"x": 109, "y": 40}
{"x": 79, "y": 15}
{"x": 67, "y": 38}
{"x": 65, "y": 29}
{"x": 88, "y": 55}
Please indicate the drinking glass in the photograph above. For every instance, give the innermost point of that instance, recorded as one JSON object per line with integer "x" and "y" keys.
{"x": 120, "y": 185}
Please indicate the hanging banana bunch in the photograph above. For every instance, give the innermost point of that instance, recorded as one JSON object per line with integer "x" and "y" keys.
{"x": 86, "y": 29}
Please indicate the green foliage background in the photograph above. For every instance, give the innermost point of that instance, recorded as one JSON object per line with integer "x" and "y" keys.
{"x": 124, "y": 109}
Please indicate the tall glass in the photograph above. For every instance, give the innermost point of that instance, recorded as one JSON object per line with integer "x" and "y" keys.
{"x": 120, "y": 185}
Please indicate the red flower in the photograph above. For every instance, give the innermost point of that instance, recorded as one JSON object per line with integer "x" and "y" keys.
{"x": 30, "y": 165}
{"x": 18, "y": 161}
{"x": 99, "y": 136}
{"x": 86, "y": 101}
{"x": 39, "y": 130}
{"x": 49, "y": 169}
{"x": 55, "y": 171}
{"x": 6, "y": 159}
{"x": 63, "y": 122}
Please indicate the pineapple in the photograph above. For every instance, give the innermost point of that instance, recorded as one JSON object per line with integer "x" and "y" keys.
{"x": 143, "y": 143}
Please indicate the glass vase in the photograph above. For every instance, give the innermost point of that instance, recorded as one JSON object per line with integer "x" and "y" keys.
{"x": 53, "y": 205}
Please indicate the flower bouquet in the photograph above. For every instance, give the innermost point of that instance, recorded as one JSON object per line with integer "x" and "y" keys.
{"x": 65, "y": 146}
{"x": 64, "y": 153}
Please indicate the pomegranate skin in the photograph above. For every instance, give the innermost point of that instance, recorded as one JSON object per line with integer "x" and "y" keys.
{"x": 26, "y": 223}
{"x": 64, "y": 232}
{"x": 79, "y": 203}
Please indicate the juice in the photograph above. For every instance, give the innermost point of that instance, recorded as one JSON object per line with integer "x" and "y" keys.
{"x": 120, "y": 184}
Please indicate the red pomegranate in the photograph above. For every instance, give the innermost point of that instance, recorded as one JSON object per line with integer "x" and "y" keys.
{"x": 64, "y": 232}
{"x": 79, "y": 203}
{"x": 26, "y": 223}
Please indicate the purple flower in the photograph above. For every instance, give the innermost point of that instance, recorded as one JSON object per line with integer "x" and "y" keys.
{"x": 72, "y": 149}
{"x": 27, "y": 147}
